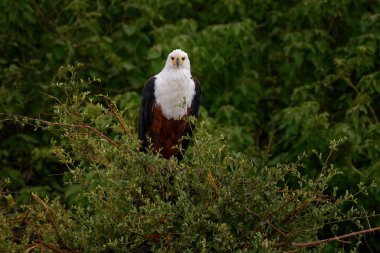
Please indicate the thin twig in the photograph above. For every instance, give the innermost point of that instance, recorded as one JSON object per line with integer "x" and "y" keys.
{"x": 50, "y": 216}
{"x": 277, "y": 229}
{"x": 110, "y": 141}
{"x": 329, "y": 156}
{"x": 112, "y": 107}
{"x": 42, "y": 203}
{"x": 336, "y": 238}
{"x": 348, "y": 81}
{"x": 48, "y": 246}
{"x": 213, "y": 184}
{"x": 49, "y": 123}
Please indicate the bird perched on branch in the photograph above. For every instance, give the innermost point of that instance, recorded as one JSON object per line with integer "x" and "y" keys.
{"x": 168, "y": 99}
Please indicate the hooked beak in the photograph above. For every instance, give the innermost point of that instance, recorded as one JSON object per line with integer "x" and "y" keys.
{"x": 177, "y": 62}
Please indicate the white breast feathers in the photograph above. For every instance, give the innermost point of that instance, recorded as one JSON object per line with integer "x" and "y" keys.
{"x": 174, "y": 92}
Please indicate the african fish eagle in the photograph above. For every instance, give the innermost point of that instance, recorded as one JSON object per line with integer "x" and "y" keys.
{"x": 168, "y": 99}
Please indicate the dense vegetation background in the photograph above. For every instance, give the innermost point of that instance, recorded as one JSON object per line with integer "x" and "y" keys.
{"x": 279, "y": 78}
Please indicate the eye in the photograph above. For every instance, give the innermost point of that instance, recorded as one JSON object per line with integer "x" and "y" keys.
{"x": 183, "y": 58}
{"x": 172, "y": 58}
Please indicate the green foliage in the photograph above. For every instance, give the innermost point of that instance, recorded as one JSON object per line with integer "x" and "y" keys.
{"x": 125, "y": 200}
{"x": 12, "y": 224}
{"x": 279, "y": 78}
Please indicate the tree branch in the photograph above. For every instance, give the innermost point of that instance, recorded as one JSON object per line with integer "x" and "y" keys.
{"x": 112, "y": 107}
{"x": 336, "y": 238}
{"x": 96, "y": 131}
{"x": 357, "y": 91}
{"x": 216, "y": 192}
{"x": 37, "y": 122}
{"x": 50, "y": 215}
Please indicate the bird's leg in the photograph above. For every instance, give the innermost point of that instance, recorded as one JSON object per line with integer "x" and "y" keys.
{"x": 168, "y": 164}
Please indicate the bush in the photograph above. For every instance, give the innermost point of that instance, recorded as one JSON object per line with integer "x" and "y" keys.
{"x": 215, "y": 200}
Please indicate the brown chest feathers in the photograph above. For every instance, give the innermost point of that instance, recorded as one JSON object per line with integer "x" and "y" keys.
{"x": 166, "y": 134}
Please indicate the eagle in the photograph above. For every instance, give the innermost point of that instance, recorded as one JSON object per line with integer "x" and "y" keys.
{"x": 168, "y": 100}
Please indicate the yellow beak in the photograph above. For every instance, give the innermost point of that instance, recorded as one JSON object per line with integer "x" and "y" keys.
{"x": 177, "y": 61}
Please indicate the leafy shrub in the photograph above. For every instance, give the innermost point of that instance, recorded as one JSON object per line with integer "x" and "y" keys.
{"x": 215, "y": 200}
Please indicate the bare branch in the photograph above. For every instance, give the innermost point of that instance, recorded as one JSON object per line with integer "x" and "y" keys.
{"x": 85, "y": 126}
{"x": 336, "y": 238}
{"x": 42, "y": 203}
{"x": 51, "y": 218}
{"x": 47, "y": 246}
{"x": 112, "y": 107}
{"x": 213, "y": 184}
{"x": 49, "y": 123}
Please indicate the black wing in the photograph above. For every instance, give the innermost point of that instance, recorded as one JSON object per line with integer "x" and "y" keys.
{"x": 145, "y": 117}
{"x": 197, "y": 99}
{"x": 195, "y": 105}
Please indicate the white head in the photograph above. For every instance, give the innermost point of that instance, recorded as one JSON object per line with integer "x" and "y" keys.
{"x": 173, "y": 84}
{"x": 178, "y": 59}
